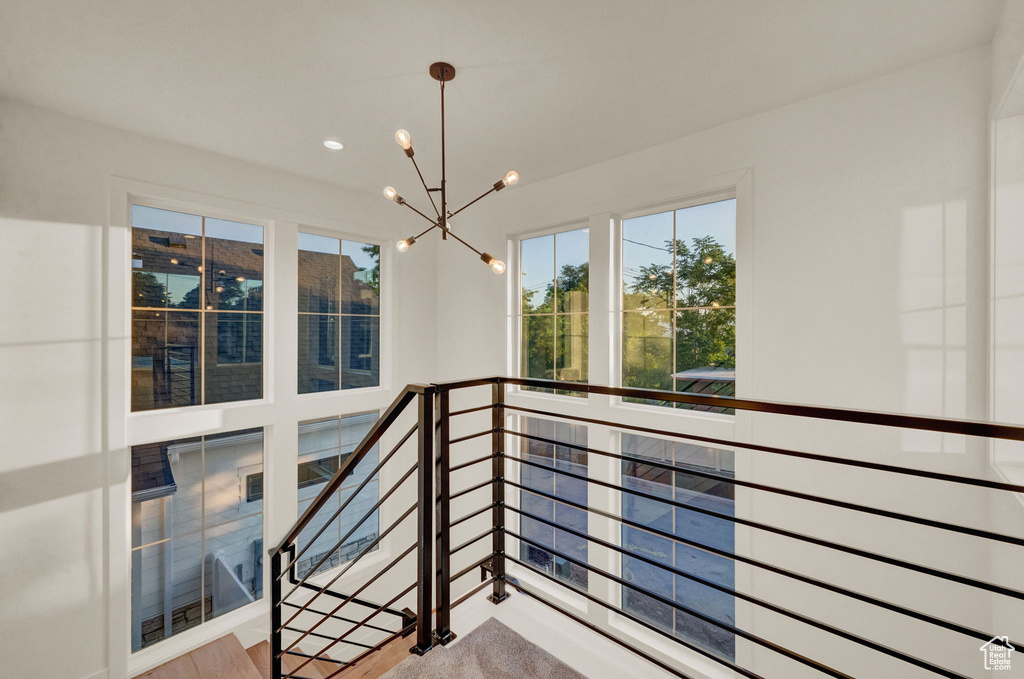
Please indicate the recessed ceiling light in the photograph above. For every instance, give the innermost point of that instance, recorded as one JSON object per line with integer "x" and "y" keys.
{"x": 333, "y": 144}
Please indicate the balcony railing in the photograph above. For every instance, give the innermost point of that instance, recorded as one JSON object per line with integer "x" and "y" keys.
{"x": 407, "y": 588}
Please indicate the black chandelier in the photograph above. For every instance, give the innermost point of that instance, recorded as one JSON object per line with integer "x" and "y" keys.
{"x": 443, "y": 72}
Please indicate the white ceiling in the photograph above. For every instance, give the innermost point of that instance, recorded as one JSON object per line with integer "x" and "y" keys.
{"x": 544, "y": 87}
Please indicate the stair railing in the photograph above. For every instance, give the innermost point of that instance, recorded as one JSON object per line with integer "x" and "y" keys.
{"x": 434, "y": 577}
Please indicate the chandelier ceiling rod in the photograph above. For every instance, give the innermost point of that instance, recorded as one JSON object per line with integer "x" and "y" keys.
{"x": 443, "y": 72}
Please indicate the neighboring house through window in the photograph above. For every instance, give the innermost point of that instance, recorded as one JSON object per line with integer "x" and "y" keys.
{"x": 339, "y": 314}
{"x": 197, "y": 531}
{"x": 197, "y": 309}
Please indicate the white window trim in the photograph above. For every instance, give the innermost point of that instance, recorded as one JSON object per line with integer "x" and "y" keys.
{"x": 278, "y": 412}
{"x": 605, "y": 367}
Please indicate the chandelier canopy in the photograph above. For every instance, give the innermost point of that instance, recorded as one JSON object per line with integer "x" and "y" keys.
{"x": 443, "y": 72}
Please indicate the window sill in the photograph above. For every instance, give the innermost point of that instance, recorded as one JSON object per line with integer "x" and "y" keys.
{"x": 164, "y": 651}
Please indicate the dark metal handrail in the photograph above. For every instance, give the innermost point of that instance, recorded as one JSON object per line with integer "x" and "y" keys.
{"x": 352, "y": 461}
{"x": 434, "y": 521}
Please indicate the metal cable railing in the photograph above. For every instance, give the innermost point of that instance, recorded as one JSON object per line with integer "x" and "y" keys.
{"x": 483, "y": 492}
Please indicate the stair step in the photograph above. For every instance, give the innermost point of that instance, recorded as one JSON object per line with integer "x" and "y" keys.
{"x": 260, "y": 656}
{"x": 379, "y": 662}
{"x": 290, "y": 663}
{"x": 221, "y": 659}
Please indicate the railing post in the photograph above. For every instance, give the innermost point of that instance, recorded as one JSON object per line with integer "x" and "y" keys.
{"x": 443, "y": 633}
{"x": 275, "y": 615}
{"x": 425, "y": 513}
{"x": 498, "y": 593}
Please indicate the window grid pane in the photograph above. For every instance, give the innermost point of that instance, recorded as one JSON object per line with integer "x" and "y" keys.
{"x": 683, "y": 262}
{"x": 547, "y": 479}
{"x": 339, "y": 314}
{"x": 690, "y": 489}
{"x": 184, "y": 261}
{"x": 197, "y": 531}
{"x": 554, "y": 293}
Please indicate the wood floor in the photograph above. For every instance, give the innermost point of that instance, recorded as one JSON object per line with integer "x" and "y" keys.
{"x": 225, "y": 658}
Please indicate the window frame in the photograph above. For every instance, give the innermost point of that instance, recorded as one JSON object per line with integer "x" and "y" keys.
{"x": 384, "y": 313}
{"x": 209, "y": 212}
{"x": 122, "y": 428}
{"x": 619, "y": 310}
{"x": 604, "y": 217}
{"x": 515, "y": 271}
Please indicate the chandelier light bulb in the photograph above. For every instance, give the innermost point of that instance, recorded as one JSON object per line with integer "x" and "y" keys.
{"x": 403, "y": 139}
{"x": 708, "y": 260}
{"x": 404, "y": 245}
{"x": 333, "y": 144}
{"x": 497, "y": 266}
{"x": 390, "y": 193}
{"x": 511, "y": 178}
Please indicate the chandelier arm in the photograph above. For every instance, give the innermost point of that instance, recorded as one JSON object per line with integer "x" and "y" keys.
{"x": 489, "y": 191}
{"x": 444, "y": 173}
{"x": 429, "y": 229}
{"x": 424, "y": 182}
{"x": 429, "y": 219}
{"x": 465, "y": 243}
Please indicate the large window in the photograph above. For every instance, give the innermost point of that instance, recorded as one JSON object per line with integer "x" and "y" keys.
{"x": 339, "y": 314}
{"x": 679, "y": 300}
{"x": 554, "y": 293}
{"x": 663, "y": 481}
{"x": 197, "y": 309}
{"x": 197, "y": 531}
{"x": 552, "y": 459}
{"x": 324, "y": 445}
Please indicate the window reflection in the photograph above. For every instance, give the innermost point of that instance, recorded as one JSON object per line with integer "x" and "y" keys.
{"x": 197, "y": 531}
{"x": 679, "y": 301}
{"x": 555, "y": 305}
{"x": 182, "y": 261}
{"x": 554, "y": 543}
{"x": 339, "y": 314}
{"x": 667, "y": 478}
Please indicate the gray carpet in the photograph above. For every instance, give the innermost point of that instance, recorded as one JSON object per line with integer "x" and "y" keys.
{"x": 491, "y": 651}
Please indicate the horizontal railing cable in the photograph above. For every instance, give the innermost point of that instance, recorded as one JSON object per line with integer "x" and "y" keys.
{"x": 477, "y": 435}
{"x": 470, "y": 410}
{"x": 352, "y": 497}
{"x": 470, "y": 541}
{"x": 876, "y": 466}
{"x": 881, "y": 558}
{"x": 749, "y": 636}
{"x": 351, "y": 563}
{"x": 471, "y": 515}
{"x": 873, "y": 645}
{"x": 352, "y": 531}
{"x": 617, "y": 639}
{"x": 377, "y": 430}
{"x": 466, "y": 491}
{"x": 321, "y": 636}
{"x": 331, "y": 645}
{"x": 314, "y": 611}
{"x": 485, "y": 458}
{"x": 359, "y": 658}
{"x": 993, "y": 430}
{"x": 365, "y": 585}
{"x": 470, "y": 568}
{"x": 931, "y": 523}
{"x": 799, "y": 577}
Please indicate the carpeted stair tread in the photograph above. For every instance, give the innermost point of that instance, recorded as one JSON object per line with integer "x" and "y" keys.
{"x": 491, "y": 651}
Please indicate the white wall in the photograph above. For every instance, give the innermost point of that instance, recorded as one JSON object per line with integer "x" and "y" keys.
{"x": 866, "y": 287}
{"x": 64, "y": 469}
